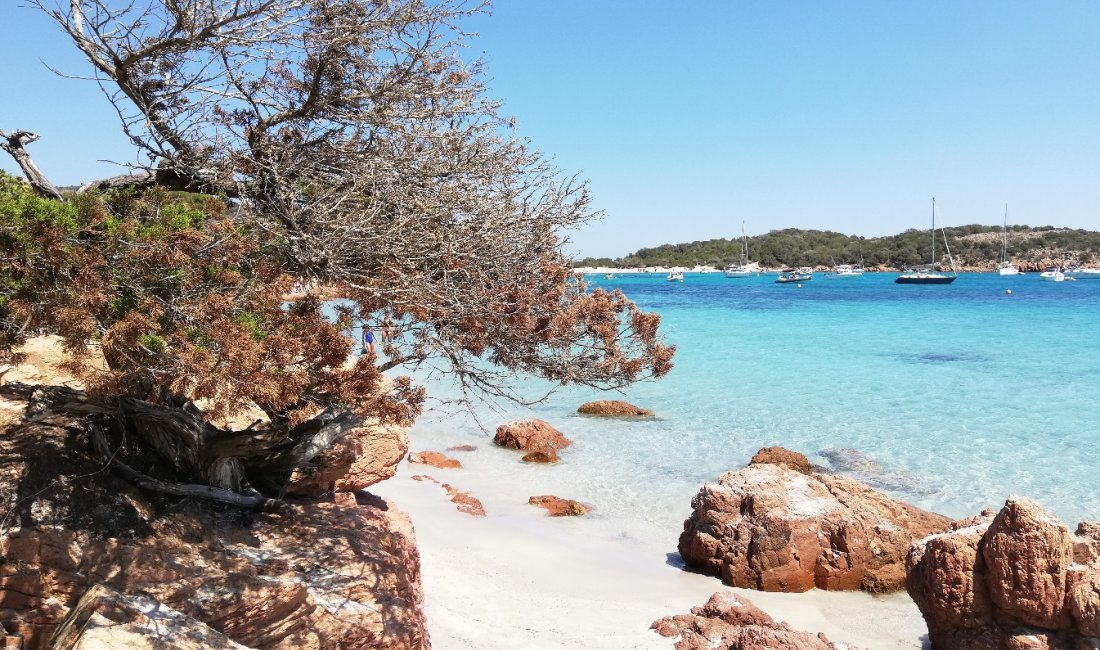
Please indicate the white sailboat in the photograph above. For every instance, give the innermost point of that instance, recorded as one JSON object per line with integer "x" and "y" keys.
{"x": 1006, "y": 267}
{"x": 741, "y": 270}
{"x": 927, "y": 274}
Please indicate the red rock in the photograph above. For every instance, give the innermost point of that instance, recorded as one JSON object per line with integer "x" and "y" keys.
{"x": 615, "y": 408}
{"x": 466, "y": 502}
{"x": 435, "y": 459}
{"x": 541, "y": 456}
{"x": 105, "y": 619}
{"x": 1026, "y": 553}
{"x": 731, "y": 622}
{"x": 773, "y": 528}
{"x": 423, "y": 477}
{"x": 340, "y": 574}
{"x": 462, "y": 448}
{"x": 360, "y": 459}
{"x": 558, "y": 507}
{"x": 530, "y": 435}
{"x": 1019, "y": 579}
{"x": 781, "y": 456}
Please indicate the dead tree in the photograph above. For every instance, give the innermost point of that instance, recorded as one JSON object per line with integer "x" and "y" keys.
{"x": 364, "y": 153}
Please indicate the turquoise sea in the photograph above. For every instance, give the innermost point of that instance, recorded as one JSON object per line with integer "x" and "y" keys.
{"x": 949, "y": 397}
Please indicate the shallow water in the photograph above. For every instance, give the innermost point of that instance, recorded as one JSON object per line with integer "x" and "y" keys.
{"x": 949, "y": 397}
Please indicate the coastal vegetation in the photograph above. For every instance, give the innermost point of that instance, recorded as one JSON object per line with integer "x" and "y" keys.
{"x": 294, "y": 144}
{"x": 972, "y": 245}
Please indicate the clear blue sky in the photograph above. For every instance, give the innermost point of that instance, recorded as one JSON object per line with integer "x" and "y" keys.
{"x": 689, "y": 117}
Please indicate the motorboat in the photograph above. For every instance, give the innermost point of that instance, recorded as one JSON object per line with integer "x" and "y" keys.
{"x": 848, "y": 271}
{"x": 1083, "y": 274}
{"x": 741, "y": 269}
{"x": 1053, "y": 274}
{"x": 927, "y": 274}
{"x": 788, "y": 275}
{"x": 1006, "y": 267}
{"x": 676, "y": 276}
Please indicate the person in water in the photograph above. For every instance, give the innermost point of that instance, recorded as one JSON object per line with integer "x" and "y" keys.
{"x": 368, "y": 340}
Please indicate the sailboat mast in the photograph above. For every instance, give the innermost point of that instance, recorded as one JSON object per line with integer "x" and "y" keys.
{"x": 1004, "y": 232}
{"x": 933, "y": 234}
{"x": 744, "y": 247}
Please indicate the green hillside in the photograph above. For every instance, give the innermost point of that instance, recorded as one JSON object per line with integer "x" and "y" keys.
{"x": 972, "y": 246}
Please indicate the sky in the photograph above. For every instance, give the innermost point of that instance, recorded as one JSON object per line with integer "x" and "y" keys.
{"x": 689, "y": 118}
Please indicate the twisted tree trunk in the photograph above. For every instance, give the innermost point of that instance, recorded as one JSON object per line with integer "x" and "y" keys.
{"x": 170, "y": 448}
{"x": 16, "y": 144}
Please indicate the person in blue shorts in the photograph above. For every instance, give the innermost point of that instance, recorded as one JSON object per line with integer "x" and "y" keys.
{"x": 368, "y": 340}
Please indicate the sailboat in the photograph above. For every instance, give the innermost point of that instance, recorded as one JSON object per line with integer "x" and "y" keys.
{"x": 1006, "y": 267}
{"x": 741, "y": 270}
{"x": 927, "y": 274}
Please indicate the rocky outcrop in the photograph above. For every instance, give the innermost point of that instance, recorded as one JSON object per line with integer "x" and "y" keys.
{"x": 559, "y": 507}
{"x": 781, "y": 456}
{"x": 614, "y": 408}
{"x": 462, "y": 448}
{"x": 731, "y": 622}
{"x": 774, "y": 528}
{"x": 1017, "y": 579}
{"x": 435, "y": 459}
{"x": 104, "y": 619}
{"x": 336, "y": 573}
{"x": 530, "y": 435}
{"x": 360, "y": 459}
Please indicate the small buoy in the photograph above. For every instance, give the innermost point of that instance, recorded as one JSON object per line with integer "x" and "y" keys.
{"x": 799, "y": 285}
{"x": 1008, "y": 292}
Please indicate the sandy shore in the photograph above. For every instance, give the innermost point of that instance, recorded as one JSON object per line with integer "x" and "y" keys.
{"x": 519, "y": 579}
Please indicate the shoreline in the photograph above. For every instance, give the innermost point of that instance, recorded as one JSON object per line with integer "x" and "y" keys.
{"x": 517, "y": 578}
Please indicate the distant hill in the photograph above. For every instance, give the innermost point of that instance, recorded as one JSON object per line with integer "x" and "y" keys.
{"x": 973, "y": 247}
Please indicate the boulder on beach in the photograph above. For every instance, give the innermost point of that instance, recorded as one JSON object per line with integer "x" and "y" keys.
{"x": 559, "y": 507}
{"x": 613, "y": 407}
{"x": 462, "y": 448}
{"x": 731, "y": 622}
{"x": 1016, "y": 579}
{"x": 530, "y": 435}
{"x": 774, "y": 528}
{"x": 363, "y": 457}
{"x": 434, "y": 459}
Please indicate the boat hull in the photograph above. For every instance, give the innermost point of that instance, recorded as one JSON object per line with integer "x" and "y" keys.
{"x": 1008, "y": 271}
{"x": 738, "y": 274}
{"x": 1085, "y": 274}
{"x": 936, "y": 279}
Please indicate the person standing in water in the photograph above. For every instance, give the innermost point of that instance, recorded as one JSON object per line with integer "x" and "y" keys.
{"x": 368, "y": 339}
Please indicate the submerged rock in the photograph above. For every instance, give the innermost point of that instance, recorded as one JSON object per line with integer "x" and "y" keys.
{"x": 613, "y": 407}
{"x": 435, "y": 459}
{"x": 530, "y": 435}
{"x": 781, "y": 456}
{"x": 541, "y": 456}
{"x": 464, "y": 501}
{"x": 1018, "y": 579}
{"x": 559, "y": 507}
{"x": 731, "y": 622}
{"x": 774, "y": 528}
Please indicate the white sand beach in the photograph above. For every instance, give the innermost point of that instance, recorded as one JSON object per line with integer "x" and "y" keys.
{"x": 520, "y": 579}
